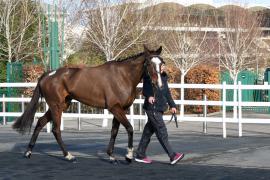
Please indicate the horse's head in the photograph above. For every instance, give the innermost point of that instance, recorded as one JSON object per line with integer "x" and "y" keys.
{"x": 153, "y": 64}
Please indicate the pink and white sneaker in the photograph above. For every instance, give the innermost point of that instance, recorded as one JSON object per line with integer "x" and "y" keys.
{"x": 145, "y": 160}
{"x": 177, "y": 157}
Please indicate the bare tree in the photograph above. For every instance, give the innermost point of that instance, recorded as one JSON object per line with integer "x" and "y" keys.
{"x": 238, "y": 41}
{"x": 112, "y": 27}
{"x": 186, "y": 43}
{"x": 17, "y": 18}
{"x": 2, "y": 9}
{"x": 73, "y": 27}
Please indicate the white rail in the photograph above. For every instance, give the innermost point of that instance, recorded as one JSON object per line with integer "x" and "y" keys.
{"x": 237, "y": 118}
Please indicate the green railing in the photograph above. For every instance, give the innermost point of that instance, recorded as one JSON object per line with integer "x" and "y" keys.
{"x": 249, "y": 78}
{"x": 14, "y": 74}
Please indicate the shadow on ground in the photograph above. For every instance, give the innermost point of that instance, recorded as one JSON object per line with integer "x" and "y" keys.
{"x": 44, "y": 166}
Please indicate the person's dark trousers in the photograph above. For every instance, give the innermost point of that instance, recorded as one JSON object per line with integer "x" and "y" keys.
{"x": 155, "y": 125}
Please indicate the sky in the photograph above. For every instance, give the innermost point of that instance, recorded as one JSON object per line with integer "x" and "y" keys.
{"x": 216, "y": 3}
{"x": 249, "y": 3}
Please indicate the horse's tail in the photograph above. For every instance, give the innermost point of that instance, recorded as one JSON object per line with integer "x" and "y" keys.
{"x": 25, "y": 121}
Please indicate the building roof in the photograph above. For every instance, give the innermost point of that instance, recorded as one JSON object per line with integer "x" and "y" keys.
{"x": 205, "y": 3}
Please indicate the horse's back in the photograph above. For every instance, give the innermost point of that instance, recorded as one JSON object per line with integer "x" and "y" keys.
{"x": 99, "y": 86}
{"x": 59, "y": 75}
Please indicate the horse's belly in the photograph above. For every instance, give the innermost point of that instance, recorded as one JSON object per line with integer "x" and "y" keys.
{"x": 89, "y": 98}
{"x": 92, "y": 102}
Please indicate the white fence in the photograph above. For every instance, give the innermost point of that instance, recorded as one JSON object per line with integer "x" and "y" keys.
{"x": 237, "y": 104}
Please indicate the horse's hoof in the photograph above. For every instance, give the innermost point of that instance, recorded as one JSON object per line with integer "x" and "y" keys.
{"x": 128, "y": 160}
{"x": 74, "y": 160}
{"x": 129, "y": 155}
{"x": 114, "y": 162}
{"x": 70, "y": 158}
{"x": 27, "y": 154}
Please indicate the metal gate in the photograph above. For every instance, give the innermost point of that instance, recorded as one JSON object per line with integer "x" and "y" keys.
{"x": 3, "y": 78}
{"x": 248, "y": 78}
{"x": 14, "y": 74}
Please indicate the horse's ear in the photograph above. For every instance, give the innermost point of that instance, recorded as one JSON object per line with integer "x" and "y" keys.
{"x": 146, "y": 50}
{"x": 159, "y": 50}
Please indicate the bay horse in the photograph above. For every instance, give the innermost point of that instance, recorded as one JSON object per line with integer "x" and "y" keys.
{"x": 111, "y": 86}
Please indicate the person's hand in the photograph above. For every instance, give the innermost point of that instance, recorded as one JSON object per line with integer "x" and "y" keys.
{"x": 151, "y": 99}
{"x": 173, "y": 110}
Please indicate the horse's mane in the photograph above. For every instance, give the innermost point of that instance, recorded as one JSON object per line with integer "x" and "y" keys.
{"x": 130, "y": 58}
{"x": 75, "y": 66}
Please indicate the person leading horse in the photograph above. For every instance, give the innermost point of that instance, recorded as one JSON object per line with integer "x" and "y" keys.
{"x": 109, "y": 86}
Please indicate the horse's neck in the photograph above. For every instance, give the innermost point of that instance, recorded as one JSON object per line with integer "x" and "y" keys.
{"x": 137, "y": 69}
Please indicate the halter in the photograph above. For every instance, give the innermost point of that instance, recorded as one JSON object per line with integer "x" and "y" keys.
{"x": 146, "y": 63}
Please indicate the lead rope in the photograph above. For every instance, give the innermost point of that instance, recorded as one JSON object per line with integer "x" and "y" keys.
{"x": 175, "y": 119}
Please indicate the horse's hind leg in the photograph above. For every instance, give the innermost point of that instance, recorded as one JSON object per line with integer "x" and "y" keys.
{"x": 42, "y": 121}
{"x": 56, "y": 115}
{"x": 114, "y": 132}
{"x": 120, "y": 115}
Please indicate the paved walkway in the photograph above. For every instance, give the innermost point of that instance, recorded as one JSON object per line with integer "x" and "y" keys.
{"x": 208, "y": 156}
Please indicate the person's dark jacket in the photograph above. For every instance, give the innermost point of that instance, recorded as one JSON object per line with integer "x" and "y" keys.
{"x": 162, "y": 95}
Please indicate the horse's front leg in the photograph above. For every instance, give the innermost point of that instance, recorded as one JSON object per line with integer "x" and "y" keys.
{"x": 114, "y": 132}
{"x": 120, "y": 115}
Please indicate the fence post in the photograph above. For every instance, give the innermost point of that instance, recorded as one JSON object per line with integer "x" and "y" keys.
{"x": 140, "y": 112}
{"x": 4, "y": 110}
{"x": 205, "y": 114}
{"x": 268, "y": 90}
{"x": 132, "y": 115}
{"x": 182, "y": 102}
{"x": 268, "y": 94}
{"x": 146, "y": 118}
{"x": 235, "y": 101}
{"x": 239, "y": 109}
{"x": 22, "y": 104}
{"x": 105, "y": 120}
{"x": 49, "y": 123}
{"x": 62, "y": 122}
{"x": 224, "y": 109}
{"x": 79, "y": 119}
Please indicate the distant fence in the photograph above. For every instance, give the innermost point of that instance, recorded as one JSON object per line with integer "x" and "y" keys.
{"x": 238, "y": 104}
